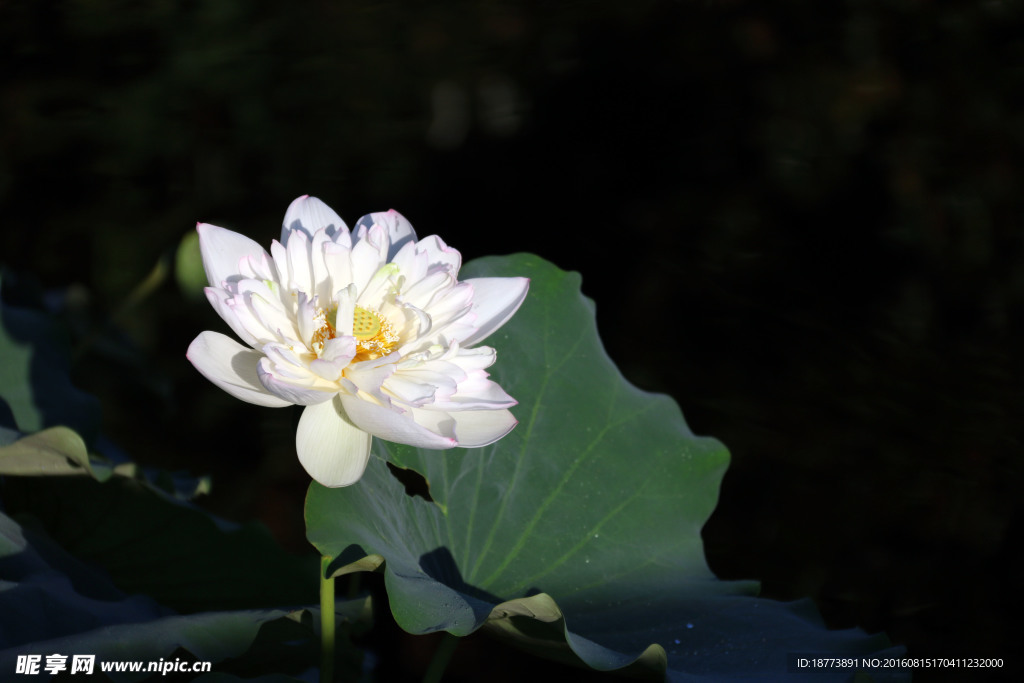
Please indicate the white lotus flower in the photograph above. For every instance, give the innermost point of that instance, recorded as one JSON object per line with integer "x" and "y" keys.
{"x": 370, "y": 330}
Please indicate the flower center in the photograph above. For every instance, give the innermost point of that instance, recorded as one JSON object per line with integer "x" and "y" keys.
{"x": 365, "y": 324}
{"x": 375, "y": 335}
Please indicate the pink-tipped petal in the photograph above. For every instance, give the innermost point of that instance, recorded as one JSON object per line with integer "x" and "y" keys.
{"x": 476, "y": 393}
{"x": 294, "y": 384}
{"x": 429, "y": 254}
{"x": 224, "y": 251}
{"x": 495, "y": 300}
{"x": 399, "y": 230}
{"x": 232, "y": 367}
{"x": 219, "y": 298}
{"x": 475, "y": 428}
{"x": 309, "y": 214}
{"x": 331, "y": 449}
{"x": 391, "y": 425}
{"x": 300, "y": 266}
{"x": 471, "y": 428}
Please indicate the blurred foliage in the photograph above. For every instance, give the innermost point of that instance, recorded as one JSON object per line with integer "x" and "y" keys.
{"x": 801, "y": 219}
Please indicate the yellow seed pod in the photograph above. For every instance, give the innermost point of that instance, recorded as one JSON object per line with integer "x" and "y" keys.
{"x": 365, "y": 324}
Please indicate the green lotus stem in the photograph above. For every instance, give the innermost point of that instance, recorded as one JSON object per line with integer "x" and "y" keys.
{"x": 442, "y": 655}
{"x": 326, "y": 621}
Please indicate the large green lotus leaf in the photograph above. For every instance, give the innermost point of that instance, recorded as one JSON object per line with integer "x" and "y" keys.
{"x": 35, "y": 385}
{"x": 208, "y": 636}
{"x": 51, "y": 602}
{"x": 578, "y": 535}
{"x": 46, "y": 593}
{"x": 150, "y": 542}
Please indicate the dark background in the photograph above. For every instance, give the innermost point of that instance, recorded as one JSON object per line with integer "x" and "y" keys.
{"x": 803, "y": 220}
